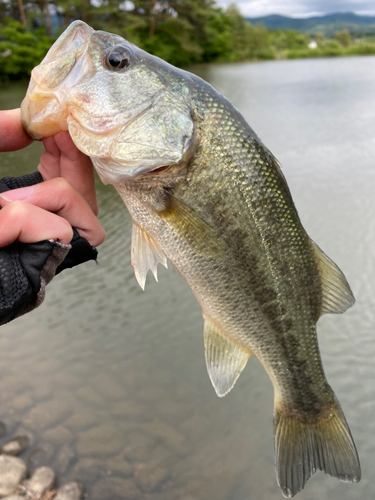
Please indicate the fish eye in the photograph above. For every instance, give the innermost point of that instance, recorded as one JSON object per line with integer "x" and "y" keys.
{"x": 117, "y": 58}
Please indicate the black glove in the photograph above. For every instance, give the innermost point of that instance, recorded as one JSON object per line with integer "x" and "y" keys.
{"x": 26, "y": 268}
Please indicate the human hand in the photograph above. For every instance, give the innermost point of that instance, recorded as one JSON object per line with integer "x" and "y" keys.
{"x": 50, "y": 209}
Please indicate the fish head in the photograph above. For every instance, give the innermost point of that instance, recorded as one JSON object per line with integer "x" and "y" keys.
{"x": 129, "y": 111}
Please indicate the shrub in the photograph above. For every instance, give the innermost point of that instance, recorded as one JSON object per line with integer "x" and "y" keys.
{"x": 21, "y": 51}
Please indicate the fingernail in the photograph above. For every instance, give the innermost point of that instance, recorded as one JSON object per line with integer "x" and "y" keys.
{"x": 18, "y": 194}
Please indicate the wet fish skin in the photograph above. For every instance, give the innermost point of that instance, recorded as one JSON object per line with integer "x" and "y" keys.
{"x": 207, "y": 194}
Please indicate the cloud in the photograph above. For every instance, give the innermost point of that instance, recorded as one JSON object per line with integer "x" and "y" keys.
{"x": 301, "y": 8}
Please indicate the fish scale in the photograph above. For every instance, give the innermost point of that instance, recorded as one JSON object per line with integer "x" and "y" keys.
{"x": 204, "y": 192}
{"x": 258, "y": 190}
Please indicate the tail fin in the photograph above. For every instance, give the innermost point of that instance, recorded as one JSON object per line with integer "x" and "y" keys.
{"x": 303, "y": 447}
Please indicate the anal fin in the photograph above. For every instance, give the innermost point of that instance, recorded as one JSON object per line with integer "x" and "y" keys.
{"x": 225, "y": 360}
{"x": 337, "y": 296}
{"x": 145, "y": 255}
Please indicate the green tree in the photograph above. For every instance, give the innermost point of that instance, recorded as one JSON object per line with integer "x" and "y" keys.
{"x": 239, "y": 32}
{"x": 218, "y": 45}
{"x": 343, "y": 37}
{"x": 319, "y": 38}
{"x": 259, "y": 43}
{"x": 20, "y": 50}
{"x": 290, "y": 39}
{"x": 176, "y": 29}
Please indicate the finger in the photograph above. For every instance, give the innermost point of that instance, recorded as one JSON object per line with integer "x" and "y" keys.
{"x": 58, "y": 196}
{"x": 30, "y": 224}
{"x": 12, "y": 135}
{"x": 63, "y": 159}
{"x": 49, "y": 164}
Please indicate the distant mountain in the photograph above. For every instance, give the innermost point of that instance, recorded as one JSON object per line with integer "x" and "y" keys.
{"x": 328, "y": 24}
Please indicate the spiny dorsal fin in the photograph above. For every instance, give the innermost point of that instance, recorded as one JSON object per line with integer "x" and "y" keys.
{"x": 145, "y": 255}
{"x": 225, "y": 360}
{"x": 337, "y": 296}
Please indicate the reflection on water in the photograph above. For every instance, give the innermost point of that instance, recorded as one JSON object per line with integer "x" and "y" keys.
{"x": 110, "y": 382}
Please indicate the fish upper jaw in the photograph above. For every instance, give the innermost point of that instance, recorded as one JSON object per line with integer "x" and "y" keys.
{"x": 44, "y": 110}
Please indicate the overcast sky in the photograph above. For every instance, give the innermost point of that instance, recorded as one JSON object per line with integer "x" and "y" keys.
{"x": 301, "y": 8}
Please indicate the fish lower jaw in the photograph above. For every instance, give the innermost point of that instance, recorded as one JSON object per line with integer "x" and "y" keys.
{"x": 114, "y": 172}
{"x": 43, "y": 123}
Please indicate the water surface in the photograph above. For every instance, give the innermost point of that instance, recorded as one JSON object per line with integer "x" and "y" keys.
{"x": 110, "y": 382}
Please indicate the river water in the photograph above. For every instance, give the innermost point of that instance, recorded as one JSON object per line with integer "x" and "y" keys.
{"x": 110, "y": 382}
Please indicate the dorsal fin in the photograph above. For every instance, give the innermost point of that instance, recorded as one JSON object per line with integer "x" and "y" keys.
{"x": 225, "y": 360}
{"x": 337, "y": 296}
{"x": 145, "y": 255}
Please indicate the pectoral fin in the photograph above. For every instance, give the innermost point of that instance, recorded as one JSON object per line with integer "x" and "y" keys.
{"x": 145, "y": 255}
{"x": 337, "y": 296}
{"x": 225, "y": 360}
{"x": 192, "y": 228}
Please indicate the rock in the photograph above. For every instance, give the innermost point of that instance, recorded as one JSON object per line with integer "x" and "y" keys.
{"x": 65, "y": 458}
{"x": 70, "y": 491}
{"x": 15, "y": 446}
{"x": 90, "y": 395}
{"x": 16, "y": 497}
{"x": 80, "y": 420}
{"x": 40, "y": 456}
{"x": 23, "y": 431}
{"x": 100, "y": 441}
{"x": 87, "y": 470}
{"x": 107, "y": 386}
{"x": 169, "y": 436}
{"x": 14, "y": 385}
{"x": 47, "y": 414}
{"x": 3, "y": 430}
{"x": 150, "y": 477}
{"x": 67, "y": 380}
{"x": 139, "y": 446}
{"x": 130, "y": 410}
{"x": 119, "y": 467}
{"x": 22, "y": 403}
{"x": 169, "y": 495}
{"x": 43, "y": 479}
{"x": 42, "y": 391}
{"x": 151, "y": 393}
{"x": 47, "y": 366}
{"x": 115, "y": 488}
{"x": 172, "y": 411}
{"x": 58, "y": 435}
{"x": 68, "y": 398}
{"x": 13, "y": 470}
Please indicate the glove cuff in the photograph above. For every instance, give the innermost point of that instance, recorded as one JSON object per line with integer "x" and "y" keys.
{"x": 57, "y": 256}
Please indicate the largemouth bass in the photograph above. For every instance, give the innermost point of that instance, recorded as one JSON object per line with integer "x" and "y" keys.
{"x": 206, "y": 194}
